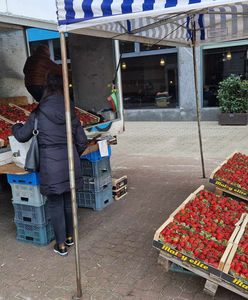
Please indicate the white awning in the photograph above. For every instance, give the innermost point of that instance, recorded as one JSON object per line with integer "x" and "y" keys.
{"x": 155, "y": 21}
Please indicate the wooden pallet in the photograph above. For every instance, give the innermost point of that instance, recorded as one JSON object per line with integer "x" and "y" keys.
{"x": 212, "y": 282}
{"x": 120, "y": 193}
{"x": 118, "y": 183}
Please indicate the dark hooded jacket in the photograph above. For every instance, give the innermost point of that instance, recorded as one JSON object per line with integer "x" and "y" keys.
{"x": 54, "y": 170}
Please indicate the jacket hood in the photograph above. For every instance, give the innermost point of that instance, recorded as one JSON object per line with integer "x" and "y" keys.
{"x": 53, "y": 108}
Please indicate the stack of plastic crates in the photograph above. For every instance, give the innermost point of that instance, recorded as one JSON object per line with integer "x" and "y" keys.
{"x": 97, "y": 181}
{"x": 32, "y": 219}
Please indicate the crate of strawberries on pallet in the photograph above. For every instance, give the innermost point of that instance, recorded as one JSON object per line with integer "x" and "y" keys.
{"x": 201, "y": 232}
{"x": 232, "y": 175}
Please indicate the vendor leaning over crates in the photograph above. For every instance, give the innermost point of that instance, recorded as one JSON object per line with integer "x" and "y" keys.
{"x": 54, "y": 170}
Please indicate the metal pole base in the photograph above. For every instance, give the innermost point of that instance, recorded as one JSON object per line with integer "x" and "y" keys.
{"x": 75, "y": 297}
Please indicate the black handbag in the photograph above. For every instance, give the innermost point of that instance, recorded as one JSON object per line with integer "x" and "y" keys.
{"x": 32, "y": 162}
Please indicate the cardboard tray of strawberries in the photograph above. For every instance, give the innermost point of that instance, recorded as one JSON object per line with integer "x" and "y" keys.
{"x": 202, "y": 233}
{"x": 232, "y": 175}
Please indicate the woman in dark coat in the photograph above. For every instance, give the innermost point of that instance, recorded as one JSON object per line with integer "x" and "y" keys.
{"x": 54, "y": 169}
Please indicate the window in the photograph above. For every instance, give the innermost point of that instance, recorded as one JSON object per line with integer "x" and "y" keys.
{"x": 150, "y": 81}
{"x": 219, "y": 64}
{"x": 126, "y": 47}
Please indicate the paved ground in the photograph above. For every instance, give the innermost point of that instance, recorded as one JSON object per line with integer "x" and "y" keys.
{"x": 117, "y": 259}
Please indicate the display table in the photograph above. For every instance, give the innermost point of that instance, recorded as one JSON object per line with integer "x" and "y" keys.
{"x": 12, "y": 168}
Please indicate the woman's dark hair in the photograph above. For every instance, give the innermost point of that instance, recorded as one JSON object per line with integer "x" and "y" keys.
{"x": 54, "y": 84}
{"x": 42, "y": 50}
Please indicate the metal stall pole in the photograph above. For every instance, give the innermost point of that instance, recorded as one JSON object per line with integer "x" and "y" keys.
{"x": 197, "y": 98}
{"x": 119, "y": 81}
{"x": 71, "y": 161}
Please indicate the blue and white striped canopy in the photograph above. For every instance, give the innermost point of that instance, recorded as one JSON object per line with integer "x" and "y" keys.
{"x": 161, "y": 21}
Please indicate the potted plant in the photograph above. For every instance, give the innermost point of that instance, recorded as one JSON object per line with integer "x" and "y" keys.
{"x": 233, "y": 100}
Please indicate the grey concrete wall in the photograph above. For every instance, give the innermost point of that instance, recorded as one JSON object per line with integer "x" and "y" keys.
{"x": 12, "y": 59}
{"x": 173, "y": 114}
{"x": 92, "y": 62}
{"x": 186, "y": 81}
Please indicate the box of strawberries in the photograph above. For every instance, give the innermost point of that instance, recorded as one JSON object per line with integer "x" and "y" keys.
{"x": 202, "y": 233}
{"x": 235, "y": 270}
{"x": 232, "y": 175}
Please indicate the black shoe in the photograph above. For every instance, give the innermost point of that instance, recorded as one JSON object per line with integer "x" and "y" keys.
{"x": 60, "y": 251}
{"x": 69, "y": 242}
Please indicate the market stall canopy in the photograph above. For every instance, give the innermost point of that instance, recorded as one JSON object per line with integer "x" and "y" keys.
{"x": 155, "y": 21}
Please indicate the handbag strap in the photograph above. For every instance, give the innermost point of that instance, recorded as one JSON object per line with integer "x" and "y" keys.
{"x": 35, "y": 131}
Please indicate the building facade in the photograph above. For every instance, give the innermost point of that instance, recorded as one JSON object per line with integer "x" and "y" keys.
{"x": 158, "y": 81}
{"x": 158, "y": 84}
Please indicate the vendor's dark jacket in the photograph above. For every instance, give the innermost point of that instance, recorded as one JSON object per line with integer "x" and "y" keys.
{"x": 54, "y": 170}
{"x": 37, "y": 67}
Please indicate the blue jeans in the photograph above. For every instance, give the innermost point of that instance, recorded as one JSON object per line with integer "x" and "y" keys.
{"x": 60, "y": 210}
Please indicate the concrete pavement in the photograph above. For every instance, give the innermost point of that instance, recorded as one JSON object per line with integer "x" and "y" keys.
{"x": 118, "y": 261}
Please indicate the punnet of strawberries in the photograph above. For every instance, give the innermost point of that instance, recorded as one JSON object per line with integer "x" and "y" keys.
{"x": 239, "y": 265}
{"x": 234, "y": 171}
{"x": 203, "y": 227}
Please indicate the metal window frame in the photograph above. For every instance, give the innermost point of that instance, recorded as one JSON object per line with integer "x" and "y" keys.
{"x": 139, "y": 53}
